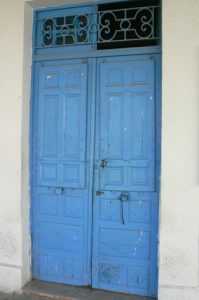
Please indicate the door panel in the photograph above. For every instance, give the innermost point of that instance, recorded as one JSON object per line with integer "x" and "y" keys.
{"x": 127, "y": 126}
{"x": 61, "y": 185}
{"x": 125, "y": 199}
{"x": 62, "y": 127}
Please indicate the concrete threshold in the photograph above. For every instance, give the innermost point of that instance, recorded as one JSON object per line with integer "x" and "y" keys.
{"x": 67, "y": 292}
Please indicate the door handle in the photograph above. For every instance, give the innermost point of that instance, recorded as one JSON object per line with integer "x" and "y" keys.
{"x": 59, "y": 191}
{"x": 124, "y": 197}
{"x": 103, "y": 163}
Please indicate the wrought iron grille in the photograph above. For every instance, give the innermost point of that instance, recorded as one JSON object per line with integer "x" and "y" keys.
{"x": 102, "y": 29}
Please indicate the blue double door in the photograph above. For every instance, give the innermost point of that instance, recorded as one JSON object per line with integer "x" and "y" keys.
{"x": 94, "y": 173}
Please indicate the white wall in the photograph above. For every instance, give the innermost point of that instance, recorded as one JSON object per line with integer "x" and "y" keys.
{"x": 179, "y": 215}
{"x": 179, "y": 223}
{"x": 11, "y": 98}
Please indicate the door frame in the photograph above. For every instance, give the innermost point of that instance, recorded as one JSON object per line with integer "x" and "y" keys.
{"x": 150, "y": 51}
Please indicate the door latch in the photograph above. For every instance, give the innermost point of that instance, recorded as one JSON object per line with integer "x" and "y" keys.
{"x": 99, "y": 193}
{"x": 103, "y": 163}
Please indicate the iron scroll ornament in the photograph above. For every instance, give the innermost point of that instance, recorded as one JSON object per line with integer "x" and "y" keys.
{"x": 122, "y": 25}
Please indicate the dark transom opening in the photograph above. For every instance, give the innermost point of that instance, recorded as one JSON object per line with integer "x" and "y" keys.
{"x": 132, "y": 24}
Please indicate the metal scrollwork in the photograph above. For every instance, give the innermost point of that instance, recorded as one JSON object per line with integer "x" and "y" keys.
{"x": 48, "y": 36}
{"x": 81, "y": 29}
{"x": 145, "y": 19}
{"x": 107, "y": 31}
{"x": 112, "y": 26}
{"x": 68, "y": 32}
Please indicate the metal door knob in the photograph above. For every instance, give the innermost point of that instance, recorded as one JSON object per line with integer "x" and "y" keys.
{"x": 59, "y": 191}
{"x": 124, "y": 197}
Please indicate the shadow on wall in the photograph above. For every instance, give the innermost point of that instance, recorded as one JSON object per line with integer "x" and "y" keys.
{"x": 197, "y": 101}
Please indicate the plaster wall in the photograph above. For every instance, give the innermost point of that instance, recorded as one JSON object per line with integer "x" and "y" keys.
{"x": 179, "y": 214}
{"x": 179, "y": 211}
{"x": 11, "y": 99}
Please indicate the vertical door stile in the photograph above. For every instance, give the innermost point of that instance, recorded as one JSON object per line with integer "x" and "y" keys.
{"x": 91, "y": 106}
{"x": 96, "y": 157}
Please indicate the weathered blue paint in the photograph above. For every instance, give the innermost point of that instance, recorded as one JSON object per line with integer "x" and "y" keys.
{"x": 124, "y": 234}
{"x": 108, "y": 241}
{"x": 102, "y": 53}
{"x": 61, "y": 181}
{"x": 126, "y": 213}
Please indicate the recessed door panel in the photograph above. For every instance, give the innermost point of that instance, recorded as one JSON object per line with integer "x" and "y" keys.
{"x": 127, "y": 126}
{"x": 62, "y": 126}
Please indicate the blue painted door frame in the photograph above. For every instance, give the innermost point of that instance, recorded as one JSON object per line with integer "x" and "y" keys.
{"x": 77, "y": 206}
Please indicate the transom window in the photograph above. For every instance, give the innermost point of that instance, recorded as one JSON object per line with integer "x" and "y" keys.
{"x": 106, "y": 26}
